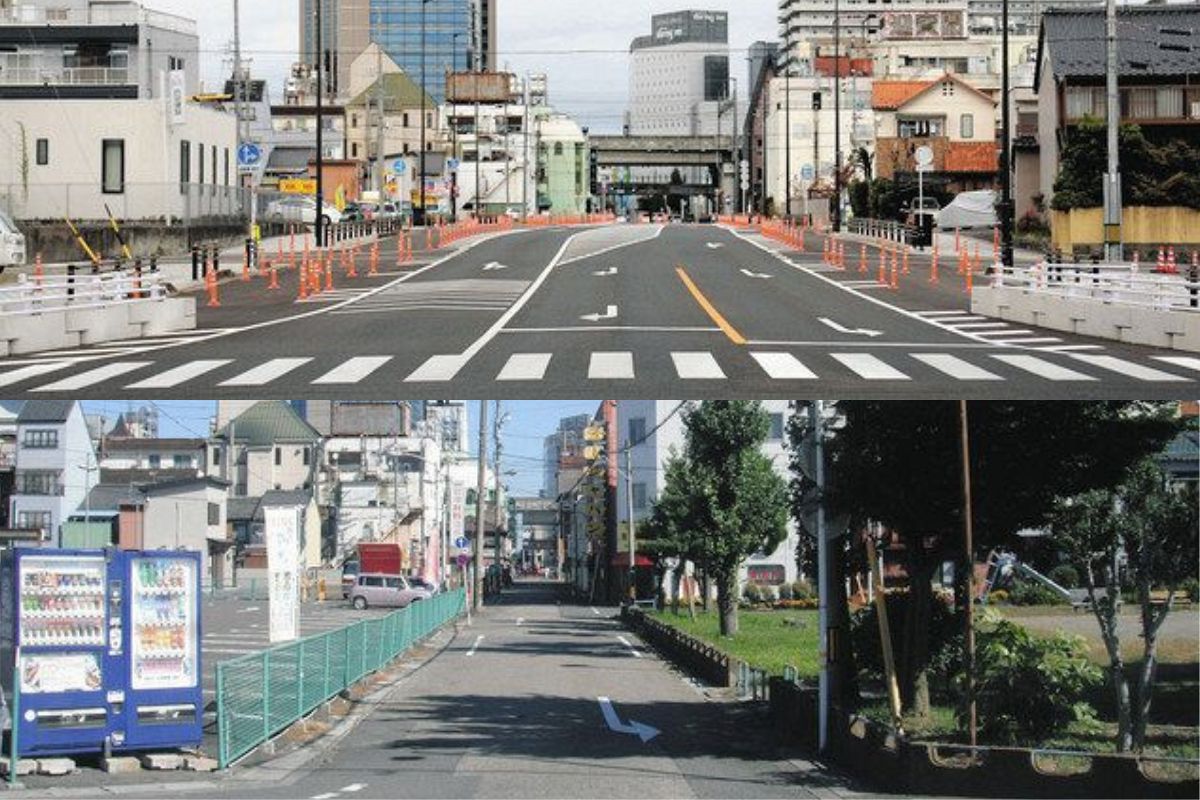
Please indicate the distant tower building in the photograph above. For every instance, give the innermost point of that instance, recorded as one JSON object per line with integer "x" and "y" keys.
{"x": 679, "y": 74}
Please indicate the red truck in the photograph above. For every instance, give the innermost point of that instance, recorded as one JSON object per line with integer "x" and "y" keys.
{"x": 374, "y": 558}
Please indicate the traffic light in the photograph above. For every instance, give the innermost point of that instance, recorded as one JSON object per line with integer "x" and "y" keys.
{"x": 816, "y": 101}
{"x": 594, "y": 170}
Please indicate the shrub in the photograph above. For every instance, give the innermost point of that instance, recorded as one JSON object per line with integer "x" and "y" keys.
{"x": 864, "y": 632}
{"x": 785, "y": 592}
{"x": 1032, "y": 593}
{"x": 810, "y": 602}
{"x": 1029, "y": 688}
{"x": 768, "y": 594}
{"x": 998, "y": 596}
{"x": 752, "y": 593}
{"x": 1065, "y": 576}
{"x": 802, "y": 590}
{"x": 1190, "y": 588}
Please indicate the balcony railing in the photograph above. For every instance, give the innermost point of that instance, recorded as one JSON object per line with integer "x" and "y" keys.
{"x": 66, "y": 76}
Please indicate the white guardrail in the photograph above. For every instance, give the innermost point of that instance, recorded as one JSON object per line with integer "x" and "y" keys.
{"x": 1106, "y": 283}
{"x": 35, "y": 296}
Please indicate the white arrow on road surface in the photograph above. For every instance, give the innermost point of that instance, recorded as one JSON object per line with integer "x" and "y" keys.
{"x": 760, "y": 275}
{"x": 610, "y": 314}
{"x": 605, "y": 273}
{"x": 843, "y": 329}
{"x": 642, "y": 731}
{"x": 714, "y": 245}
{"x": 492, "y": 266}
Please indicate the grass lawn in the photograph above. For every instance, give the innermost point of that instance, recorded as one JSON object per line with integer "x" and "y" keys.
{"x": 768, "y": 640}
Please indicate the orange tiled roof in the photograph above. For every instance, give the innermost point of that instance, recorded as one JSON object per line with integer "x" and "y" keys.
{"x": 890, "y": 95}
{"x": 971, "y": 157}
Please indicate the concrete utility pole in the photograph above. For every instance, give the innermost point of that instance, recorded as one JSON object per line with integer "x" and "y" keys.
{"x": 632, "y": 529}
{"x": 318, "y": 222}
{"x": 787, "y": 132}
{"x": 837, "y": 115}
{"x": 379, "y": 120}
{"x": 1006, "y": 201}
{"x": 497, "y": 536}
{"x": 525, "y": 171}
{"x": 480, "y": 502}
{"x": 969, "y": 578}
{"x": 816, "y": 416}
{"x": 1114, "y": 252}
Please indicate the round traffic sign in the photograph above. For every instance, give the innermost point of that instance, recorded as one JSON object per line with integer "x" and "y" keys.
{"x": 461, "y": 543}
{"x": 249, "y": 154}
{"x": 924, "y": 155}
{"x": 399, "y": 166}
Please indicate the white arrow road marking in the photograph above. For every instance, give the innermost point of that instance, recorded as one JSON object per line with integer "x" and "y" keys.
{"x": 642, "y": 731}
{"x": 760, "y": 275}
{"x": 492, "y": 266}
{"x": 478, "y": 639}
{"x": 714, "y": 245}
{"x": 632, "y": 649}
{"x": 843, "y": 329}
{"x": 611, "y": 313}
{"x": 605, "y": 273}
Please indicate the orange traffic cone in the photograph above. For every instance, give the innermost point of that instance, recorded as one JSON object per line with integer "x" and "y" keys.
{"x": 38, "y": 271}
{"x": 245, "y": 266}
{"x": 303, "y": 280}
{"x": 933, "y": 266}
{"x": 862, "y": 259}
{"x": 882, "y": 266}
{"x": 274, "y": 284}
{"x": 329, "y": 277}
{"x": 210, "y": 282}
{"x": 906, "y": 259}
{"x": 373, "y": 269}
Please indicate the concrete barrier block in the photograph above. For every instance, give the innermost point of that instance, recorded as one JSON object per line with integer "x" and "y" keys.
{"x": 55, "y": 766}
{"x": 25, "y": 766}
{"x": 162, "y": 761}
{"x": 120, "y": 764}
{"x": 164, "y": 316}
{"x": 96, "y": 325}
{"x": 199, "y": 764}
{"x": 27, "y": 333}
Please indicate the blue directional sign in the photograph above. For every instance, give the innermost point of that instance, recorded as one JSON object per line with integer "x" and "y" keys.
{"x": 461, "y": 543}
{"x": 399, "y": 166}
{"x": 806, "y": 172}
{"x": 249, "y": 154}
{"x": 452, "y": 164}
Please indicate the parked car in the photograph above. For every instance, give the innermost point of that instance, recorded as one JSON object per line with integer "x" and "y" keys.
{"x": 421, "y": 583}
{"x": 302, "y": 209}
{"x": 385, "y": 591}
{"x": 975, "y": 209}
{"x": 350, "y": 570}
{"x": 353, "y": 212}
{"x": 12, "y": 244}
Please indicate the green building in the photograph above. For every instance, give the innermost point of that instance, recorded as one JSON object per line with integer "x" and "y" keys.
{"x": 563, "y": 156}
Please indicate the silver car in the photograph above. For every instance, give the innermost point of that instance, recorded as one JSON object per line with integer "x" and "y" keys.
{"x": 385, "y": 591}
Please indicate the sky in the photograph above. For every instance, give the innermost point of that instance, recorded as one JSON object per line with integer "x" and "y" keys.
{"x": 528, "y": 423}
{"x": 582, "y": 46}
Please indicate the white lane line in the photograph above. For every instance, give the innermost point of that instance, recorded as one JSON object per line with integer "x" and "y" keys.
{"x": 1043, "y": 369}
{"x": 697, "y": 366}
{"x": 525, "y": 367}
{"x": 1128, "y": 368}
{"x": 611, "y": 366}
{"x": 632, "y": 649}
{"x": 248, "y": 610}
{"x": 594, "y": 611}
{"x": 1035, "y": 340}
{"x": 437, "y": 369}
{"x": 955, "y": 367}
{"x": 613, "y": 328}
{"x": 783, "y": 367}
{"x": 353, "y": 371}
{"x": 974, "y": 326}
{"x": 1187, "y": 362}
{"x": 266, "y": 372}
{"x": 324, "y": 796}
{"x": 184, "y": 372}
{"x": 935, "y": 314}
{"x": 869, "y": 367}
{"x": 1067, "y": 348}
{"x": 354, "y": 787}
{"x": 1008, "y": 332}
{"x": 31, "y": 371}
{"x": 93, "y": 376}
{"x": 478, "y": 639}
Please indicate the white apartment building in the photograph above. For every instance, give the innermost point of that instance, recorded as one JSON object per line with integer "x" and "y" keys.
{"x": 637, "y": 418}
{"x": 679, "y": 76}
{"x": 495, "y": 145}
{"x": 56, "y": 465}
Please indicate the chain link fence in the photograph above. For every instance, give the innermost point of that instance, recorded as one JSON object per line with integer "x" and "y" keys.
{"x": 261, "y": 694}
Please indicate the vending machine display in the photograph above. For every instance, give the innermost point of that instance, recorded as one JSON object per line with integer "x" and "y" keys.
{"x": 62, "y": 602}
{"x": 163, "y": 604}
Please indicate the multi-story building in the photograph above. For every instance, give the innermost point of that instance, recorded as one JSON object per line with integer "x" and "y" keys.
{"x": 563, "y": 164}
{"x": 656, "y": 428}
{"x": 9, "y": 409}
{"x": 125, "y": 461}
{"x": 679, "y": 78}
{"x": 267, "y": 447}
{"x": 490, "y": 130}
{"x": 438, "y": 36}
{"x": 56, "y": 466}
{"x": 540, "y": 546}
{"x": 383, "y": 124}
{"x": 567, "y": 441}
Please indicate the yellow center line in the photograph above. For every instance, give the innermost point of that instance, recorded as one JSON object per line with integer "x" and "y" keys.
{"x": 709, "y": 308}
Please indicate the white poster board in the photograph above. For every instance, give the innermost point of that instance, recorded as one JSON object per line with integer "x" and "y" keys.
{"x": 281, "y": 529}
{"x": 458, "y": 510}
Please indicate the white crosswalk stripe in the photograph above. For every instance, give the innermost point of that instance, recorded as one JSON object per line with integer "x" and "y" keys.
{"x": 697, "y": 366}
{"x": 93, "y": 376}
{"x": 956, "y": 367}
{"x": 30, "y": 371}
{"x": 869, "y": 367}
{"x": 525, "y": 367}
{"x": 475, "y": 294}
{"x": 1127, "y": 368}
{"x": 181, "y": 374}
{"x": 265, "y": 373}
{"x": 611, "y": 366}
{"x": 353, "y": 371}
{"x": 1187, "y": 362}
{"x": 1042, "y": 368}
{"x": 783, "y": 366}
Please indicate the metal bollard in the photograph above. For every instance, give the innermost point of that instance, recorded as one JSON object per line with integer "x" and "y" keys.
{"x": 154, "y": 264}
{"x": 70, "y": 282}
{"x": 195, "y": 262}
{"x": 216, "y": 260}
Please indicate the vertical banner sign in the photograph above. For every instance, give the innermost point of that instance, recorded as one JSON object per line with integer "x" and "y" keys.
{"x": 282, "y": 532}
{"x": 458, "y": 510}
{"x": 175, "y": 97}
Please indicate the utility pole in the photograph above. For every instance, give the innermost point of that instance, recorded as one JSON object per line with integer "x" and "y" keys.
{"x": 1006, "y": 201}
{"x": 424, "y": 94}
{"x": 632, "y": 530}
{"x": 816, "y": 416}
{"x": 318, "y": 222}
{"x": 379, "y": 119}
{"x": 837, "y": 116}
{"x": 1113, "y": 249}
{"x": 480, "y": 502}
{"x": 969, "y": 578}
{"x": 497, "y": 536}
{"x": 525, "y": 171}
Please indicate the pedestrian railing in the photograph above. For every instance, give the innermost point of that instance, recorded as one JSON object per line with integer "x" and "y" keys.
{"x": 41, "y": 294}
{"x": 886, "y": 229}
{"x": 261, "y": 694}
{"x": 753, "y": 683}
{"x": 1107, "y": 283}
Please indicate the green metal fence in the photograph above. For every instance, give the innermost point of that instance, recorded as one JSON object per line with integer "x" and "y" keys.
{"x": 259, "y": 695}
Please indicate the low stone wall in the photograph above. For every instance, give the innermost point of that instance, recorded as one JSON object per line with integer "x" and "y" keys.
{"x": 68, "y": 328}
{"x": 694, "y": 655}
{"x": 55, "y": 242}
{"x": 1178, "y": 330}
{"x": 1142, "y": 228}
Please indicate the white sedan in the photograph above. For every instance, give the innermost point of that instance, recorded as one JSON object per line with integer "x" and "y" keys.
{"x": 302, "y": 209}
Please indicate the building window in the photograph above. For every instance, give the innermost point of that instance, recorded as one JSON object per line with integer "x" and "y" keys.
{"x": 200, "y": 164}
{"x": 33, "y": 520}
{"x": 181, "y": 462}
{"x": 406, "y": 119}
{"x": 307, "y": 455}
{"x": 185, "y": 162}
{"x": 58, "y": 14}
{"x": 155, "y": 461}
{"x": 216, "y": 453}
{"x": 354, "y": 149}
{"x": 40, "y": 439}
{"x": 354, "y": 120}
{"x": 558, "y": 148}
{"x": 278, "y": 456}
{"x": 639, "y": 497}
{"x": 39, "y": 482}
{"x": 776, "y": 428}
{"x": 214, "y": 165}
{"x": 43, "y": 152}
{"x": 919, "y": 128}
{"x": 214, "y": 514}
{"x": 966, "y": 126}
{"x": 112, "y": 166}
{"x": 637, "y": 429}
{"x": 226, "y": 166}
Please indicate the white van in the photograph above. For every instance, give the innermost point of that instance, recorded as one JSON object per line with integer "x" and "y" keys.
{"x": 12, "y": 244}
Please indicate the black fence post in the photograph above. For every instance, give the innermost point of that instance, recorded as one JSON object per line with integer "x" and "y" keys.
{"x": 70, "y": 282}
{"x": 216, "y": 260}
{"x": 195, "y": 262}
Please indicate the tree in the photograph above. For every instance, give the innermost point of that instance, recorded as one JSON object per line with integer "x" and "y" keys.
{"x": 723, "y": 496}
{"x": 670, "y": 530}
{"x": 1153, "y": 527}
{"x": 898, "y": 464}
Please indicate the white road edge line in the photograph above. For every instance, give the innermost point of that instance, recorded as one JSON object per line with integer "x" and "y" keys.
{"x": 632, "y": 649}
{"x": 478, "y": 639}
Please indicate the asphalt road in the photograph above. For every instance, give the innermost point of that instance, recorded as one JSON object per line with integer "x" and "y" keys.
{"x": 628, "y": 310}
{"x": 512, "y": 708}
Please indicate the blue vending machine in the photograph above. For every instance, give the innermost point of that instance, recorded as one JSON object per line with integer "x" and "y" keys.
{"x": 163, "y": 696}
{"x": 56, "y": 617}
